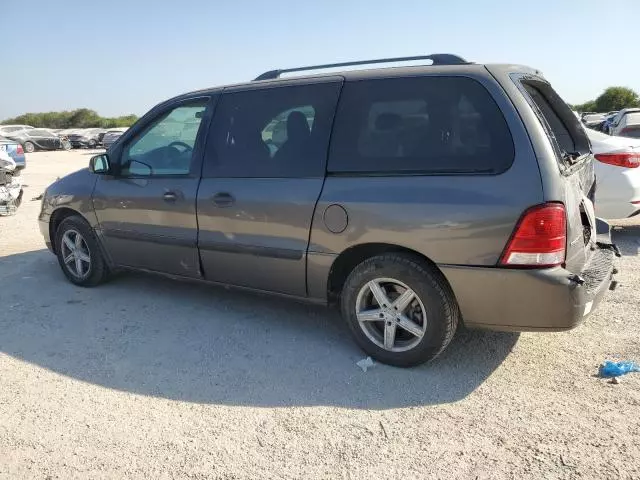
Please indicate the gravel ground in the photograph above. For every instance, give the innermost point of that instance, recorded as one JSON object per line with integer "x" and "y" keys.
{"x": 148, "y": 378}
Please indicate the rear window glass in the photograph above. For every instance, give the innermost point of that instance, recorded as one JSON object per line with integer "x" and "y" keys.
{"x": 424, "y": 125}
{"x": 563, "y": 128}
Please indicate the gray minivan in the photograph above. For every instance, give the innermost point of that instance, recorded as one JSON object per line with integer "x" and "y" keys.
{"x": 417, "y": 198}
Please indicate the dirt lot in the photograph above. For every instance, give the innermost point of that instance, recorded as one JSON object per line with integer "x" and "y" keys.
{"x": 146, "y": 378}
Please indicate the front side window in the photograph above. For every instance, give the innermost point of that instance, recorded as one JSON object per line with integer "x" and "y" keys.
{"x": 422, "y": 125}
{"x": 166, "y": 146}
{"x": 278, "y": 132}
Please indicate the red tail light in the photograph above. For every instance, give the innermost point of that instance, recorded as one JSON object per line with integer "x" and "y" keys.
{"x": 627, "y": 160}
{"x": 20, "y": 150}
{"x": 539, "y": 239}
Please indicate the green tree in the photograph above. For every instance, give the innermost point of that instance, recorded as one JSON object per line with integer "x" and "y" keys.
{"x": 80, "y": 118}
{"x": 85, "y": 118}
{"x": 616, "y": 98}
{"x": 589, "y": 106}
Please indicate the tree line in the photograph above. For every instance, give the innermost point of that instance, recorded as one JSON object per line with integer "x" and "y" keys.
{"x": 80, "y": 118}
{"x": 613, "y": 98}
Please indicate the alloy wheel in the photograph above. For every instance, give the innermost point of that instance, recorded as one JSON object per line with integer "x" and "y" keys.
{"x": 75, "y": 254}
{"x": 391, "y": 314}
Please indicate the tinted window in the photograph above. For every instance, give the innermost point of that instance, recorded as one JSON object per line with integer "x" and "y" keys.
{"x": 423, "y": 125}
{"x": 165, "y": 147}
{"x": 275, "y": 132}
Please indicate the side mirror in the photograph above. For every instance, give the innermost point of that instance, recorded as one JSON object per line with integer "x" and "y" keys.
{"x": 100, "y": 164}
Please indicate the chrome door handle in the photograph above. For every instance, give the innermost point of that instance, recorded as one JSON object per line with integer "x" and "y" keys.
{"x": 169, "y": 197}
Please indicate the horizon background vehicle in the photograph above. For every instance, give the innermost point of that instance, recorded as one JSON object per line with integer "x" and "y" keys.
{"x": 15, "y": 150}
{"x": 111, "y": 136}
{"x": 6, "y": 129}
{"x": 388, "y": 191}
{"x": 627, "y": 125}
{"x": 615, "y": 125}
{"x": 36, "y": 139}
{"x": 86, "y": 138}
{"x": 593, "y": 119}
{"x": 606, "y": 124}
{"x": 10, "y": 185}
{"x": 617, "y": 173}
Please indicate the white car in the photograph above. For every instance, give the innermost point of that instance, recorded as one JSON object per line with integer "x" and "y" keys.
{"x": 617, "y": 175}
{"x": 626, "y": 123}
{"x": 592, "y": 119}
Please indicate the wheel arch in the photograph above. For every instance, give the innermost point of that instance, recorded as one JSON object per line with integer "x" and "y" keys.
{"x": 56, "y": 219}
{"x": 356, "y": 254}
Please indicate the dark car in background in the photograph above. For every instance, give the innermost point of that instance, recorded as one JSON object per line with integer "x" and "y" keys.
{"x": 416, "y": 198}
{"x": 15, "y": 151}
{"x": 111, "y": 136}
{"x": 86, "y": 138}
{"x": 36, "y": 139}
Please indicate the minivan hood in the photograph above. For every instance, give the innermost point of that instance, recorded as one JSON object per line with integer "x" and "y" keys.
{"x": 73, "y": 183}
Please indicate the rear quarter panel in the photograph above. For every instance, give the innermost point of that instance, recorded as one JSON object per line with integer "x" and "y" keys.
{"x": 557, "y": 187}
{"x": 452, "y": 220}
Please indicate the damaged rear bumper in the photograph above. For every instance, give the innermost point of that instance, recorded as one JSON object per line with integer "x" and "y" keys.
{"x": 553, "y": 299}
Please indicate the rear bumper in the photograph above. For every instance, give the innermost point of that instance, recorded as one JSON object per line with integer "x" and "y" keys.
{"x": 532, "y": 300}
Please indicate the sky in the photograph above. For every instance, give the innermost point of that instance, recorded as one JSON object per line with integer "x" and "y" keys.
{"x": 119, "y": 57}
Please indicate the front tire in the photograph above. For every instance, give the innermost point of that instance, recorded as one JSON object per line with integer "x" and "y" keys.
{"x": 400, "y": 309}
{"x": 29, "y": 147}
{"x": 79, "y": 253}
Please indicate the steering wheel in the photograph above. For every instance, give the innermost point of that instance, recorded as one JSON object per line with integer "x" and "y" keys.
{"x": 186, "y": 146}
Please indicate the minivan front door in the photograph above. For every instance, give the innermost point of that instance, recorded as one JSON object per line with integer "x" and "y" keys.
{"x": 263, "y": 173}
{"x": 147, "y": 210}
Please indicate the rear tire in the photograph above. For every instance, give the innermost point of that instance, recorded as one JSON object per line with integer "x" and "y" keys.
{"x": 79, "y": 253}
{"x": 387, "y": 329}
{"x": 29, "y": 147}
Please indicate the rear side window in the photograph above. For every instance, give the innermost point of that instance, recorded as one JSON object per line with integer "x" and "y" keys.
{"x": 424, "y": 125}
{"x": 278, "y": 132}
{"x": 633, "y": 118}
{"x": 563, "y": 128}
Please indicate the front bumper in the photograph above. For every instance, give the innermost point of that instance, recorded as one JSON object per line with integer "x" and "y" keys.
{"x": 43, "y": 224}
{"x": 553, "y": 299}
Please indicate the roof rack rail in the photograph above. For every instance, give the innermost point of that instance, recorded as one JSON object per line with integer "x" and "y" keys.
{"x": 436, "y": 58}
